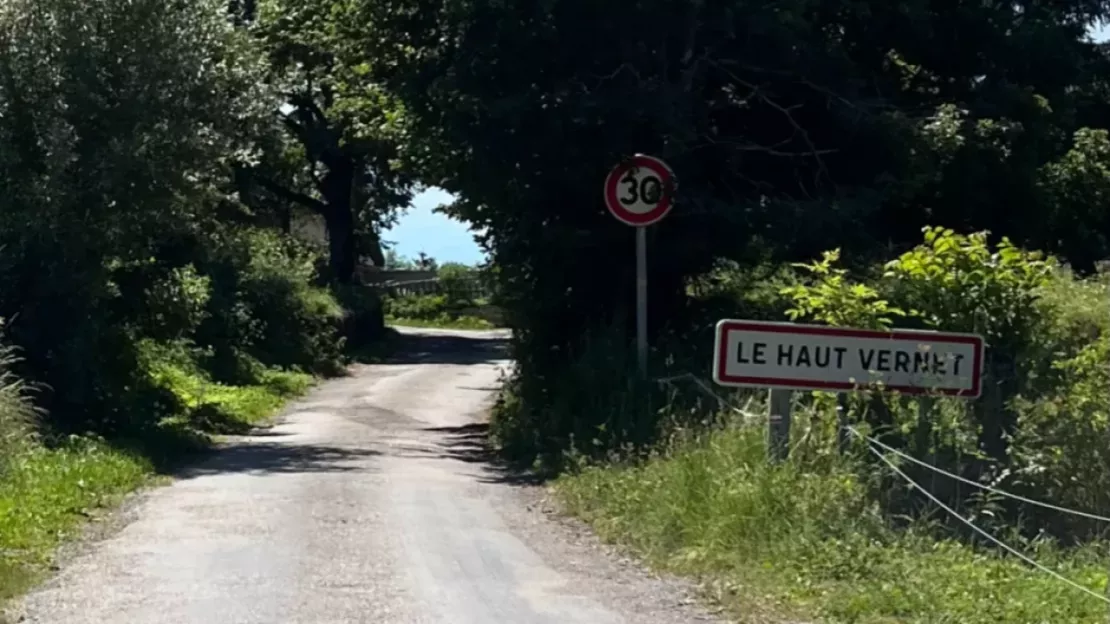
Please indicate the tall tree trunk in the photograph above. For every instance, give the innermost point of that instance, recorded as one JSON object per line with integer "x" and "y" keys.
{"x": 341, "y": 242}
{"x": 340, "y": 220}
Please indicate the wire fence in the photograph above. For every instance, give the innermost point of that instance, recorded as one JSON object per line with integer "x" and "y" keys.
{"x": 980, "y": 531}
{"x": 883, "y": 451}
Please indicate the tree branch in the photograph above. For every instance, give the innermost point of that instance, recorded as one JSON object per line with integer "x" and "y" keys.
{"x": 786, "y": 112}
{"x": 292, "y": 196}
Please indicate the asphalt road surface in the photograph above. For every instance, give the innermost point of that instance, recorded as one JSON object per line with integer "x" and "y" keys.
{"x": 371, "y": 501}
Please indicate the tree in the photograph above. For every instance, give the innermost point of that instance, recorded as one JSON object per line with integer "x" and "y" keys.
{"x": 118, "y": 124}
{"x": 424, "y": 262}
{"x": 793, "y": 127}
{"x": 343, "y": 161}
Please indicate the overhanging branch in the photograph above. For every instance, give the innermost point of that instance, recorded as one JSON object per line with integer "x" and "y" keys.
{"x": 293, "y": 196}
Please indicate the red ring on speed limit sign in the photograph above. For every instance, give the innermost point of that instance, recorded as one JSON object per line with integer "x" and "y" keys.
{"x": 639, "y": 192}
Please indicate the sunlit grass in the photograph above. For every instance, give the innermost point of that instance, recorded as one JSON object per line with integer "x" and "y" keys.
{"x": 443, "y": 321}
{"x": 776, "y": 542}
{"x": 47, "y": 493}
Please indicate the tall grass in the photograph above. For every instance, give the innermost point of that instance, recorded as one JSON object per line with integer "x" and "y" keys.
{"x": 17, "y": 414}
{"x": 807, "y": 539}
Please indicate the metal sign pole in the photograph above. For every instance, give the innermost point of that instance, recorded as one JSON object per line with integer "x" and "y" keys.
{"x": 641, "y": 299}
{"x": 640, "y": 192}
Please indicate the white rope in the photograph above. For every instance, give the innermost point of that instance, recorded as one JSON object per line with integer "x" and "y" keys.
{"x": 981, "y": 486}
{"x": 704, "y": 387}
{"x": 982, "y": 532}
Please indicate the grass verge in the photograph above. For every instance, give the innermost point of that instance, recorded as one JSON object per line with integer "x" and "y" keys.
{"x": 48, "y": 492}
{"x": 443, "y": 321}
{"x": 783, "y": 543}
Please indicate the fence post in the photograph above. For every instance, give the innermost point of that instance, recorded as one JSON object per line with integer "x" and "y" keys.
{"x": 924, "y": 441}
{"x": 778, "y": 433}
{"x": 925, "y": 406}
{"x": 842, "y": 437}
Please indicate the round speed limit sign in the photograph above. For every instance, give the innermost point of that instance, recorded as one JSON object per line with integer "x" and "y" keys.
{"x": 640, "y": 191}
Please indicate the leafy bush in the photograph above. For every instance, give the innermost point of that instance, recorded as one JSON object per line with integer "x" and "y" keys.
{"x": 433, "y": 311}
{"x": 1074, "y": 312}
{"x": 832, "y": 298}
{"x": 264, "y": 308}
{"x": 1059, "y": 448}
{"x": 736, "y": 291}
{"x": 160, "y": 301}
{"x": 959, "y": 283}
{"x": 597, "y": 404}
{"x": 422, "y": 307}
{"x": 457, "y": 281}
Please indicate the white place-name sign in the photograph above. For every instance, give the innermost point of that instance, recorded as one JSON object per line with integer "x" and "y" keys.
{"x": 812, "y": 357}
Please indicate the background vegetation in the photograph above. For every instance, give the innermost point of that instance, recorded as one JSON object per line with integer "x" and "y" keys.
{"x": 834, "y": 532}
{"x": 461, "y": 297}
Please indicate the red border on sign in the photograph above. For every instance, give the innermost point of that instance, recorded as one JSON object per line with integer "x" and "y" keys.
{"x": 720, "y": 352}
{"x": 666, "y": 176}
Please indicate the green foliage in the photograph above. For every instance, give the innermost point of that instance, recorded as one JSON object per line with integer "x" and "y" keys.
{"x": 416, "y": 306}
{"x": 444, "y": 321}
{"x": 804, "y": 540}
{"x": 952, "y": 282}
{"x": 103, "y": 171}
{"x": 175, "y": 370}
{"x": 597, "y": 404}
{"x": 1074, "y": 314}
{"x": 343, "y": 157}
{"x": 456, "y": 280}
{"x": 959, "y": 283}
{"x": 297, "y": 322}
{"x": 834, "y": 299}
{"x": 1077, "y": 187}
{"x": 730, "y": 289}
{"x": 793, "y": 128}
{"x": 1045, "y": 331}
{"x": 48, "y": 493}
{"x": 264, "y": 307}
{"x": 1058, "y": 454}
{"x": 149, "y": 303}
{"x": 433, "y": 311}
{"x": 709, "y": 505}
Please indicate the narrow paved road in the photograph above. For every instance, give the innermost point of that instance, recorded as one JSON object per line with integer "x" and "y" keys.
{"x": 370, "y": 502}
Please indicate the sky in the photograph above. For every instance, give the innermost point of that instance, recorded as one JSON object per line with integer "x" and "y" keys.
{"x": 447, "y": 240}
{"x": 440, "y": 237}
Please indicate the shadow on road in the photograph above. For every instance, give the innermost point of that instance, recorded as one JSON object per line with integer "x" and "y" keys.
{"x": 271, "y": 458}
{"x": 471, "y": 444}
{"x": 412, "y": 348}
